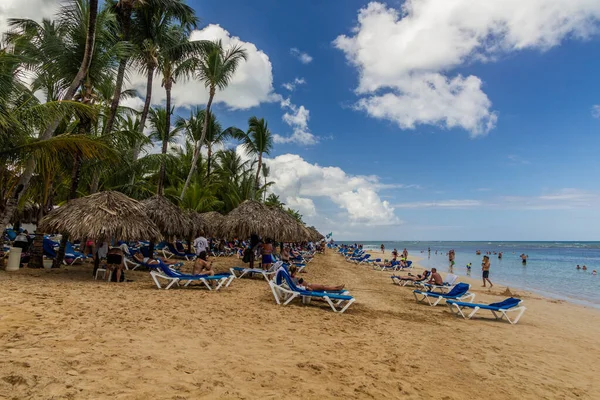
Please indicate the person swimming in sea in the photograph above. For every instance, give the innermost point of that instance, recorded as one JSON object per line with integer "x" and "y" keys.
{"x": 594, "y": 272}
{"x": 584, "y": 268}
{"x": 578, "y": 267}
{"x": 524, "y": 258}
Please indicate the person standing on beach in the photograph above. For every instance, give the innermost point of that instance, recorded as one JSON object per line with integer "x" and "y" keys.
{"x": 382, "y": 248}
{"x": 451, "y": 260}
{"x": 485, "y": 267}
{"x": 405, "y": 254}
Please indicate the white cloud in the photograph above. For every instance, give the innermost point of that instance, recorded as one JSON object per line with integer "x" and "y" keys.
{"x": 297, "y": 118}
{"x": 251, "y": 85}
{"x": 441, "y": 204}
{"x": 304, "y": 205}
{"x": 304, "y": 58}
{"x": 32, "y": 9}
{"x": 296, "y": 179}
{"x": 596, "y": 111}
{"x": 291, "y": 86}
{"x": 408, "y": 53}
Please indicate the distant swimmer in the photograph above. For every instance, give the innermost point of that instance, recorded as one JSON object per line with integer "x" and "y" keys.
{"x": 524, "y": 258}
{"x": 578, "y": 267}
{"x": 478, "y": 252}
{"x": 594, "y": 272}
{"x": 584, "y": 268}
{"x": 500, "y": 255}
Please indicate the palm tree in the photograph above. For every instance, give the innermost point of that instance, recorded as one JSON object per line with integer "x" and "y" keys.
{"x": 163, "y": 134}
{"x": 124, "y": 10}
{"x": 273, "y": 201}
{"x": 258, "y": 141}
{"x": 176, "y": 60}
{"x": 215, "y": 68}
{"x": 67, "y": 12}
{"x": 152, "y": 27}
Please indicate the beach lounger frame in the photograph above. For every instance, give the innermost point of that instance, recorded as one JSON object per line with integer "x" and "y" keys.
{"x": 286, "y": 292}
{"x": 175, "y": 278}
{"x": 433, "y": 299}
{"x": 499, "y": 313}
{"x": 267, "y": 274}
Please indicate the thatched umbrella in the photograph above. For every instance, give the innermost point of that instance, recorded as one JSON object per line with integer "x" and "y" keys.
{"x": 197, "y": 221}
{"x": 101, "y": 216}
{"x": 294, "y": 231}
{"x": 315, "y": 234}
{"x": 252, "y": 217}
{"x": 213, "y": 221}
{"x": 170, "y": 219}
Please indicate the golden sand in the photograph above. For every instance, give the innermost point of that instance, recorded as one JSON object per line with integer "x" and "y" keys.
{"x": 65, "y": 336}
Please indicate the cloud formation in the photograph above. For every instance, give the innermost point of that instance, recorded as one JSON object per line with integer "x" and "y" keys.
{"x": 404, "y": 55}
{"x": 299, "y": 182}
{"x": 596, "y": 111}
{"x": 296, "y": 117}
{"x": 291, "y": 86}
{"x": 304, "y": 58}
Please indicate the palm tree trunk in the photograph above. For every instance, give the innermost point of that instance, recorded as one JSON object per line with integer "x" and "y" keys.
{"x": 165, "y": 144}
{"x": 146, "y": 108}
{"x": 124, "y": 18}
{"x": 25, "y": 177}
{"x": 208, "y": 158}
{"x": 257, "y": 184}
{"x": 199, "y": 144}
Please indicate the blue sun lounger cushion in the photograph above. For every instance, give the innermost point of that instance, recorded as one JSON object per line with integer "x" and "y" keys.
{"x": 500, "y": 309}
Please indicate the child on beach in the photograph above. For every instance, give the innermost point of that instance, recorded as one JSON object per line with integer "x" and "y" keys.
{"x": 485, "y": 267}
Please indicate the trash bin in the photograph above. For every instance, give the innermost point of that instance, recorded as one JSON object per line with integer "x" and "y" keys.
{"x": 14, "y": 259}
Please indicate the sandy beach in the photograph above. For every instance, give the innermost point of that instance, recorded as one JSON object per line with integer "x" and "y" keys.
{"x": 66, "y": 336}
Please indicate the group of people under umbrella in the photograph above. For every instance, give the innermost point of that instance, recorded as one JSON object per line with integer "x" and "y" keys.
{"x": 108, "y": 217}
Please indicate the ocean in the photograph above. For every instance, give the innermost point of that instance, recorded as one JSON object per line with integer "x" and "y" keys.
{"x": 550, "y": 270}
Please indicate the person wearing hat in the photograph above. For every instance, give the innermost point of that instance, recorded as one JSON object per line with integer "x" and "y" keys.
{"x": 485, "y": 267}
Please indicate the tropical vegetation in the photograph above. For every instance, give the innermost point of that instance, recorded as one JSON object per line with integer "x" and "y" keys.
{"x": 65, "y": 131}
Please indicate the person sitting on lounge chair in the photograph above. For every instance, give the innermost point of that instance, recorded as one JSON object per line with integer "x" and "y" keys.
{"x": 146, "y": 260}
{"x": 416, "y": 278}
{"x": 203, "y": 267}
{"x": 436, "y": 278}
{"x": 302, "y": 284}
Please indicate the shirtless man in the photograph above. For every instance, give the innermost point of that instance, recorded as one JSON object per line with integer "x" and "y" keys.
{"x": 435, "y": 278}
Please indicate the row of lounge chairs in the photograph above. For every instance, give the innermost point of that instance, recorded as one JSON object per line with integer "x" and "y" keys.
{"x": 455, "y": 294}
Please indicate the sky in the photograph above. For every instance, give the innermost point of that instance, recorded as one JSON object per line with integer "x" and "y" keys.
{"x": 417, "y": 119}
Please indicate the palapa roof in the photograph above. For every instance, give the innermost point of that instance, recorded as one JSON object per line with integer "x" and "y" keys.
{"x": 197, "y": 222}
{"x": 315, "y": 234}
{"x": 253, "y": 217}
{"x": 103, "y": 215}
{"x": 169, "y": 218}
{"x": 294, "y": 230}
{"x": 212, "y": 221}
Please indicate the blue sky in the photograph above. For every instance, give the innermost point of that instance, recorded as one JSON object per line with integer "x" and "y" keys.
{"x": 436, "y": 121}
{"x": 531, "y": 177}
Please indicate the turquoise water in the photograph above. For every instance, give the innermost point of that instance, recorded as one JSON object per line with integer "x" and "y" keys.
{"x": 550, "y": 268}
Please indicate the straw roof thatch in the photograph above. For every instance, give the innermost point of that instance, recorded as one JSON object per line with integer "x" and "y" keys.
{"x": 315, "y": 235}
{"x": 169, "y": 218}
{"x": 295, "y": 231}
{"x": 197, "y": 222}
{"x": 213, "y": 221}
{"x": 99, "y": 216}
{"x": 253, "y": 217}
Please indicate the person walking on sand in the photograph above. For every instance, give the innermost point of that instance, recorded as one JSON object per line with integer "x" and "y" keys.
{"x": 451, "y": 260}
{"x": 382, "y": 248}
{"x": 485, "y": 267}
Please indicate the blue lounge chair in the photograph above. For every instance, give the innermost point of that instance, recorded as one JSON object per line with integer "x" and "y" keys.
{"x": 285, "y": 290}
{"x": 173, "y": 277}
{"x": 71, "y": 254}
{"x": 240, "y": 272}
{"x": 10, "y": 234}
{"x": 169, "y": 248}
{"x": 500, "y": 310}
{"x": 460, "y": 292}
{"x": 48, "y": 246}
